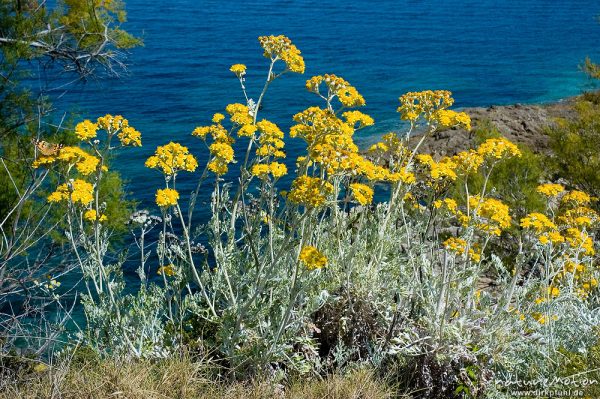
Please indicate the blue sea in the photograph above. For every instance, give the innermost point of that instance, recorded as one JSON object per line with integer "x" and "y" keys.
{"x": 486, "y": 52}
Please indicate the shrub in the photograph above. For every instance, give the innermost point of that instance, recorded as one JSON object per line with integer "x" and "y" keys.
{"x": 574, "y": 143}
{"x": 319, "y": 277}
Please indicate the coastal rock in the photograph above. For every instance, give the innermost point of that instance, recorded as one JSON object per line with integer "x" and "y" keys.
{"x": 520, "y": 123}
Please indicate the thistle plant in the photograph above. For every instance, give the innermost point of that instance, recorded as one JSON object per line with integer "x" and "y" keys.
{"x": 367, "y": 256}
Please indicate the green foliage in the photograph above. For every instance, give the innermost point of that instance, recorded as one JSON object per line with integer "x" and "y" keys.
{"x": 576, "y": 148}
{"x": 590, "y": 68}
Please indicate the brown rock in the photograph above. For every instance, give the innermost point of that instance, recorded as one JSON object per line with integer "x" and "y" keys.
{"x": 522, "y": 124}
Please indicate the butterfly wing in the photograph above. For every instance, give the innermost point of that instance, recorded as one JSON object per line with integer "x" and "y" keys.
{"x": 47, "y": 149}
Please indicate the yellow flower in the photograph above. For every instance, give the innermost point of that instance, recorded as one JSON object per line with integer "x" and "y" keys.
{"x": 239, "y": 114}
{"x": 495, "y": 214}
{"x": 576, "y": 197}
{"x": 550, "y": 190}
{"x": 167, "y": 270}
{"x": 426, "y": 103}
{"x": 498, "y": 148}
{"x": 201, "y": 131}
{"x": 537, "y": 221}
{"x": 247, "y": 131}
{"x": 354, "y": 118}
{"x": 456, "y": 245}
{"x": 441, "y": 171}
{"x": 238, "y": 69}
{"x": 310, "y": 191}
{"x": 171, "y": 158}
{"x": 260, "y": 170}
{"x": 222, "y": 151}
{"x": 88, "y": 165}
{"x": 449, "y": 118}
{"x": 362, "y": 193}
{"x": 344, "y": 91}
{"x": 84, "y": 162}
{"x": 580, "y": 241}
{"x": 86, "y": 130}
{"x": 270, "y": 139}
{"x": 468, "y": 161}
{"x": 78, "y": 191}
{"x": 218, "y": 118}
{"x": 459, "y": 247}
{"x": 312, "y": 258}
{"x": 277, "y": 169}
{"x": 129, "y": 136}
{"x": 166, "y": 197}
{"x": 281, "y": 47}
{"x": 112, "y": 123}
{"x": 217, "y": 167}
{"x": 90, "y": 215}
{"x": 448, "y": 203}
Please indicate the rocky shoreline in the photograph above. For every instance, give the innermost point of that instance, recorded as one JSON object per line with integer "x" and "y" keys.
{"x": 520, "y": 123}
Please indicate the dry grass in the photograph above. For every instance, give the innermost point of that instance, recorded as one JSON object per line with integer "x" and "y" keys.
{"x": 177, "y": 378}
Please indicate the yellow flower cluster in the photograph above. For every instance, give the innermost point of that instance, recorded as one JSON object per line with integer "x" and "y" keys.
{"x": 357, "y": 119}
{"x": 537, "y": 221}
{"x": 587, "y": 287}
{"x": 576, "y": 197}
{"x": 391, "y": 144}
{"x": 495, "y": 214}
{"x": 167, "y": 270}
{"x": 439, "y": 172}
{"x": 580, "y": 241}
{"x": 426, "y": 103}
{"x": 449, "y": 118}
{"x": 112, "y": 123}
{"x": 276, "y": 169}
{"x": 330, "y": 144}
{"x": 86, "y": 130}
{"x": 239, "y": 114}
{"x": 238, "y": 69}
{"x": 551, "y": 292}
{"x": 91, "y": 216}
{"x": 542, "y": 318}
{"x": 126, "y": 134}
{"x": 467, "y": 162}
{"x": 459, "y": 247}
{"x": 498, "y": 148}
{"x": 77, "y": 191}
{"x": 85, "y": 163}
{"x": 545, "y": 228}
{"x": 575, "y": 272}
{"x": 221, "y": 149}
{"x": 336, "y": 87}
{"x": 171, "y": 158}
{"x": 281, "y": 47}
{"x": 580, "y": 217}
{"x": 166, "y": 197}
{"x": 310, "y": 191}
{"x": 270, "y": 140}
{"x": 362, "y": 193}
{"x": 550, "y": 189}
{"x": 312, "y": 258}
{"x": 129, "y": 136}
{"x": 447, "y": 203}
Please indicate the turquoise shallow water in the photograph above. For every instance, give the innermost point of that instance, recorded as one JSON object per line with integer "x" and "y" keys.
{"x": 486, "y": 52}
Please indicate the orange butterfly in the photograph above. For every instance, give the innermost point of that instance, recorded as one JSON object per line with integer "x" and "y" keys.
{"x": 45, "y": 148}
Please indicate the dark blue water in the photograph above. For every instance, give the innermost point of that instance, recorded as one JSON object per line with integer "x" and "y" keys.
{"x": 486, "y": 52}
